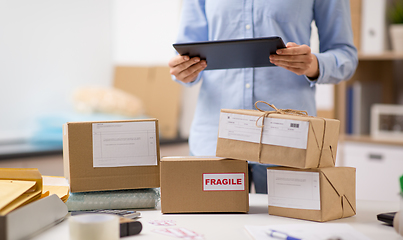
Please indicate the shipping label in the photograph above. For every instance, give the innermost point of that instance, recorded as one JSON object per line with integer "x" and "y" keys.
{"x": 276, "y": 131}
{"x": 293, "y": 189}
{"x": 121, "y": 144}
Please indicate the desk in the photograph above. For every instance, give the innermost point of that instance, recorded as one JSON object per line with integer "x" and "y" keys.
{"x": 231, "y": 226}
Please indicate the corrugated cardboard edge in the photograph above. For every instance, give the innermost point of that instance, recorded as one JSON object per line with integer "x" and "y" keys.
{"x": 67, "y": 163}
{"x": 344, "y": 200}
{"x": 66, "y": 159}
{"x": 203, "y": 158}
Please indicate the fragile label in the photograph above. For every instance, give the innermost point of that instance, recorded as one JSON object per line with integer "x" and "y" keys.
{"x": 293, "y": 189}
{"x": 276, "y": 131}
{"x": 223, "y": 181}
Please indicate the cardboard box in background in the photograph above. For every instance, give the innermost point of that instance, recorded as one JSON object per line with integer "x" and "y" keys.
{"x": 160, "y": 94}
{"x": 288, "y": 140}
{"x": 204, "y": 184}
{"x": 116, "y": 163}
{"x": 321, "y": 194}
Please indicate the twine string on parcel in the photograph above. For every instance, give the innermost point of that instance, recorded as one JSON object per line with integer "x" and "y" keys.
{"x": 267, "y": 113}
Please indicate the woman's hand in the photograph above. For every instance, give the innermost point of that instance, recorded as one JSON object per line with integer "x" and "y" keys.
{"x": 186, "y": 69}
{"x": 297, "y": 59}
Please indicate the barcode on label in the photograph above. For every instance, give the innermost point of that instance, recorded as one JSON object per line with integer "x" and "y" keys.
{"x": 294, "y": 125}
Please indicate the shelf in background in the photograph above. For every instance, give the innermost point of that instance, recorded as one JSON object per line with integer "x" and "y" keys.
{"x": 387, "y": 55}
{"x": 369, "y": 139}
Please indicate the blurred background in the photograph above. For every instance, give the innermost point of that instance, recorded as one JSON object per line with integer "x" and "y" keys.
{"x": 86, "y": 60}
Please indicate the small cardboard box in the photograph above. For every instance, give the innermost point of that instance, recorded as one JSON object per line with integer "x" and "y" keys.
{"x": 321, "y": 194}
{"x": 204, "y": 184}
{"x": 111, "y": 155}
{"x": 160, "y": 95}
{"x": 285, "y": 140}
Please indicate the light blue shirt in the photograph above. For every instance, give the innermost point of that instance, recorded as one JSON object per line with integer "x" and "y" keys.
{"x": 206, "y": 20}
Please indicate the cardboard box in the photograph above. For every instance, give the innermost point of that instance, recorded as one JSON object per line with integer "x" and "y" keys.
{"x": 111, "y": 155}
{"x": 160, "y": 95}
{"x": 203, "y": 184}
{"x": 321, "y": 194}
{"x": 287, "y": 140}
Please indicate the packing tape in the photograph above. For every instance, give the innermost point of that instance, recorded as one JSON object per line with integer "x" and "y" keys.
{"x": 94, "y": 227}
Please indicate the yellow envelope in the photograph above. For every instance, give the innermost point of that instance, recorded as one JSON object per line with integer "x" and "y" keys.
{"x": 12, "y": 189}
{"x": 21, "y": 174}
{"x": 56, "y": 185}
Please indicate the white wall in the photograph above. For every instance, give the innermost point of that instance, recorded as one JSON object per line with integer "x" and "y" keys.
{"x": 50, "y": 48}
{"x": 144, "y": 31}
{"x": 47, "y": 49}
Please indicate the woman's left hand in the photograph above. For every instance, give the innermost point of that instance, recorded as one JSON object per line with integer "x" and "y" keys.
{"x": 297, "y": 59}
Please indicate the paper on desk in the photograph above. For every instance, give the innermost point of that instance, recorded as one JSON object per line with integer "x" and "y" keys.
{"x": 313, "y": 231}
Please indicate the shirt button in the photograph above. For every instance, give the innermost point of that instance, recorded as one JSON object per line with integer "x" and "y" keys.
{"x": 247, "y": 26}
{"x": 247, "y": 85}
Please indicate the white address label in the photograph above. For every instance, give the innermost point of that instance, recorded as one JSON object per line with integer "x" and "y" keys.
{"x": 293, "y": 189}
{"x": 276, "y": 131}
{"x": 223, "y": 181}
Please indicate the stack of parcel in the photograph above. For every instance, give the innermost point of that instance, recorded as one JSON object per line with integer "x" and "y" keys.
{"x": 305, "y": 184}
{"x": 112, "y": 164}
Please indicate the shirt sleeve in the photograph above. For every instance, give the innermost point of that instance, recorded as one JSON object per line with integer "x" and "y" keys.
{"x": 192, "y": 27}
{"x": 338, "y": 57}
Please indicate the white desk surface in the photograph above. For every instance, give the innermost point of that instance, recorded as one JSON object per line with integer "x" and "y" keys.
{"x": 231, "y": 226}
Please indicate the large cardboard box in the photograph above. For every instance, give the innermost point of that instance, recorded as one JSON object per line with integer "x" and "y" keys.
{"x": 160, "y": 95}
{"x": 111, "y": 155}
{"x": 285, "y": 140}
{"x": 321, "y": 194}
{"x": 204, "y": 184}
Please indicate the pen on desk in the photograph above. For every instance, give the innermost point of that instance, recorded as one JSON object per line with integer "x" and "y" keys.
{"x": 280, "y": 235}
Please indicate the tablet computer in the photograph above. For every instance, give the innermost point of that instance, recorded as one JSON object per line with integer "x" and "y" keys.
{"x": 237, "y": 53}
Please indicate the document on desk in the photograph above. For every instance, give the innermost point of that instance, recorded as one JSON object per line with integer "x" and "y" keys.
{"x": 124, "y": 144}
{"x": 309, "y": 231}
{"x": 276, "y": 131}
{"x": 293, "y": 189}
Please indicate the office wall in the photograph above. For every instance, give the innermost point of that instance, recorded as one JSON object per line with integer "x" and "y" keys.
{"x": 50, "y": 48}
{"x": 143, "y": 31}
{"x": 47, "y": 49}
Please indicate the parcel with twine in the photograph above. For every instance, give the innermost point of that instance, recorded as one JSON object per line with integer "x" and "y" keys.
{"x": 284, "y": 137}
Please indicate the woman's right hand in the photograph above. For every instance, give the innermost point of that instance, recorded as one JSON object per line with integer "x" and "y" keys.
{"x": 186, "y": 69}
